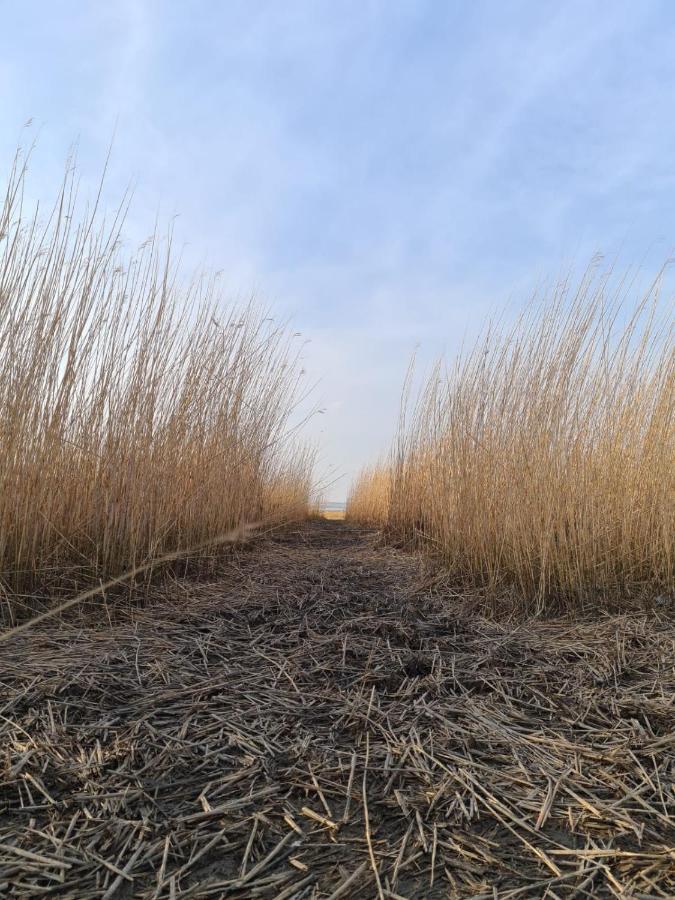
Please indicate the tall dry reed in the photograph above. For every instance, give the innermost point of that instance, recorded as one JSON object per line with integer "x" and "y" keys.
{"x": 541, "y": 464}
{"x": 368, "y": 499}
{"x": 137, "y": 415}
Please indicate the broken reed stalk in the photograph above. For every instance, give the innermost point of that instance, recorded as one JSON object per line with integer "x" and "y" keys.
{"x": 236, "y": 534}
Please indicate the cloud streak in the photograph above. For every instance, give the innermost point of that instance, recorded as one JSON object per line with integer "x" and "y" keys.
{"x": 386, "y": 173}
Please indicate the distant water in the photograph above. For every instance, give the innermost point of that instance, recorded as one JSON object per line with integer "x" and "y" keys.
{"x": 335, "y": 505}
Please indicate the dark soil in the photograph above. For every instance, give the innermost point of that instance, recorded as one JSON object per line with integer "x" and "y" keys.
{"x": 312, "y": 721}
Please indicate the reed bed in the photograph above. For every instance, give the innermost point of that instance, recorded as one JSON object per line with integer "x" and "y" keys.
{"x": 540, "y": 465}
{"x": 368, "y": 500}
{"x": 138, "y": 415}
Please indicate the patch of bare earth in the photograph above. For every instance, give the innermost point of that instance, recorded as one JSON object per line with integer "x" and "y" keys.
{"x": 310, "y": 723}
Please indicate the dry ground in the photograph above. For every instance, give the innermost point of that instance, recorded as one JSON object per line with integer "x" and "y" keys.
{"x": 311, "y": 722}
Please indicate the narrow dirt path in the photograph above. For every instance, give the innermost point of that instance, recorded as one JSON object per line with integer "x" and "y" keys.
{"x": 309, "y": 721}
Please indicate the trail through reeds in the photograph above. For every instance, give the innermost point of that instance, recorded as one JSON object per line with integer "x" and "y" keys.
{"x": 314, "y": 720}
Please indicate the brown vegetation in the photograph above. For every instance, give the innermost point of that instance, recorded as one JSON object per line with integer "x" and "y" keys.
{"x": 137, "y": 416}
{"x": 318, "y": 713}
{"x": 542, "y": 462}
{"x": 368, "y": 500}
{"x": 312, "y": 721}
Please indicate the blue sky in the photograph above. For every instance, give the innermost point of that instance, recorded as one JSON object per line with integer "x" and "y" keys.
{"x": 386, "y": 173}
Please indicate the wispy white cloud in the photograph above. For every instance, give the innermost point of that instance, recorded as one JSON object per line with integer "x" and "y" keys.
{"x": 385, "y": 172}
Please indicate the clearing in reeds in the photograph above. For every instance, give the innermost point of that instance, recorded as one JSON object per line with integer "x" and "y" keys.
{"x": 541, "y": 464}
{"x": 137, "y": 415}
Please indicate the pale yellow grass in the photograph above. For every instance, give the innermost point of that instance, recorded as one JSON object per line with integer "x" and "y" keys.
{"x": 334, "y": 514}
{"x": 541, "y": 463}
{"x": 368, "y": 500}
{"x": 138, "y": 415}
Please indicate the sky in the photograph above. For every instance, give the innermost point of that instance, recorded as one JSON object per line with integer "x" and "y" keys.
{"x": 387, "y": 174}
